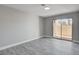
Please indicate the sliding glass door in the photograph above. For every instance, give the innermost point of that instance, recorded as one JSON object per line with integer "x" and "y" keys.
{"x": 56, "y": 28}
{"x": 62, "y": 28}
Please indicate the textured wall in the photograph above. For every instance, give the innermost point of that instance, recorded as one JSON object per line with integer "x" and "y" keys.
{"x": 17, "y": 26}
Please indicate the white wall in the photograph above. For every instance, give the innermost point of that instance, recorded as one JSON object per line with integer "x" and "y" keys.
{"x": 48, "y": 27}
{"x": 41, "y": 26}
{"x": 17, "y": 26}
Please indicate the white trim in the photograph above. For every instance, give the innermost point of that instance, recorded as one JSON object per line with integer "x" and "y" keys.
{"x": 76, "y": 41}
{"x": 47, "y": 36}
{"x": 15, "y": 44}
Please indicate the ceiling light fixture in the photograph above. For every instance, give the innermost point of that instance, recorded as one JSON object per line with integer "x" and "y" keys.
{"x": 46, "y": 7}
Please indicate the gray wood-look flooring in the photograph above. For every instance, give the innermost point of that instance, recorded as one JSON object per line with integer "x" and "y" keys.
{"x": 44, "y": 46}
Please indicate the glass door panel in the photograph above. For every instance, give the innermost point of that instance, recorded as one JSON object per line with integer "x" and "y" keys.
{"x": 56, "y": 29}
{"x": 67, "y": 29}
{"x": 62, "y": 28}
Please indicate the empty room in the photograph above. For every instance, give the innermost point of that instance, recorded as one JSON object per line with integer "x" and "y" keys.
{"x": 39, "y": 29}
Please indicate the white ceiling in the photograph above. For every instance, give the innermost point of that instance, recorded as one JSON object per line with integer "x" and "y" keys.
{"x": 39, "y": 10}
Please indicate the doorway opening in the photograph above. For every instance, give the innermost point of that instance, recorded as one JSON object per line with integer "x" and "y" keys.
{"x": 62, "y": 28}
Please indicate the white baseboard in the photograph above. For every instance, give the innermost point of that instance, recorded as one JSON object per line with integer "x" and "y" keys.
{"x": 75, "y": 41}
{"x": 15, "y": 44}
{"x": 47, "y": 36}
